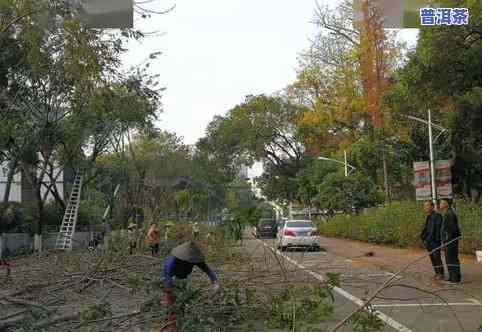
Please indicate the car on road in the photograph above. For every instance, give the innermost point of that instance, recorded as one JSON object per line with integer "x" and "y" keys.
{"x": 266, "y": 227}
{"x": 298, "y": 234}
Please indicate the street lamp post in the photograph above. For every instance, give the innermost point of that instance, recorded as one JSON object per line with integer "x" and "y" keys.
{"x": 430, "y": 124}
{"x": 345, "y": 163}
{"x": 432, "y": 161}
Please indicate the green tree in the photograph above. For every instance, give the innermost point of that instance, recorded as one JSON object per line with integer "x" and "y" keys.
{"x": 52, "y": 91}
{"x": 310, "y": 178}
{"x": 349, "y": 194}
{"x": 466, "y": 139}
{"x": 443, "y": 73}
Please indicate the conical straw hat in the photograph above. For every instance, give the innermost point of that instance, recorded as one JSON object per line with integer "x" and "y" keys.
{"x": 188, "y": 252}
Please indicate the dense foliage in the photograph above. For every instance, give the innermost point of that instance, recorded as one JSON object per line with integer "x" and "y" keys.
{"x": 65, "y": 100}
{"x": 354, "y": 89}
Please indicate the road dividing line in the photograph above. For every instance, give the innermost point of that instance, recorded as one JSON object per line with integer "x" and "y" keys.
{"x": 386, "y": 319}
{"x": 410, "y": 305}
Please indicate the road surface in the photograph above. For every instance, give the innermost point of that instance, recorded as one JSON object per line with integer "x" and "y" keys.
{"x": 407, "y": 306}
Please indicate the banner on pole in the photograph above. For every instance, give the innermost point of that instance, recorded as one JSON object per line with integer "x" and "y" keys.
{"x": 422, "y": 180}
{"x": 443, "y": 179}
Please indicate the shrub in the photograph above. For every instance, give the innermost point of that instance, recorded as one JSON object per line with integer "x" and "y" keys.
{"x": 399, "y": 224}
{"x": 90, "y": 213}
{"x": 12, "y": 217}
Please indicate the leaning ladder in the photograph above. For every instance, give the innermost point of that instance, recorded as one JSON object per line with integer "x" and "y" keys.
{"x": 67, "y": 228}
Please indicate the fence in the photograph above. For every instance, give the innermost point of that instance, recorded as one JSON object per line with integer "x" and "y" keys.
{"x": 12, "y": 244}
{"x": 211, "y": 223}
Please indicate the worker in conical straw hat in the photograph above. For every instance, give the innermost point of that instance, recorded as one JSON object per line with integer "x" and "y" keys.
{"x": 195, "y": 230}
{"x": 169, "y": 225}
{"x": 132, "y": 235}
{"x": 178, "y": 266}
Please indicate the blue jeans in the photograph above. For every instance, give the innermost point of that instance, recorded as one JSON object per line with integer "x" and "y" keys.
{"x": 154, "y": 249}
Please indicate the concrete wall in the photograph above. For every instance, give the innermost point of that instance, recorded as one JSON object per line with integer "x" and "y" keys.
{"x": 18, "y": 242}
{"x": 15, "y": 242}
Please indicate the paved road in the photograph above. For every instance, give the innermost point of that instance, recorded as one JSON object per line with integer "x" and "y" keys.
{"x": 402, "y": 307}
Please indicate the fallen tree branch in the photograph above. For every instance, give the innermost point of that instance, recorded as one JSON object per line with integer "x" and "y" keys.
{"x": 26, "y": 303}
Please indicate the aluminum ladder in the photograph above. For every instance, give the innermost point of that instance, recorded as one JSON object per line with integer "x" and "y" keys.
{"x": 67, "y": 228}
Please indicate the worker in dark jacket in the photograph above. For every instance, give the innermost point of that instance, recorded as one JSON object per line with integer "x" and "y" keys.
{"x": 450, "y": 234}
{"x": 430, "y": 236}
{"x": 178, "y": 266}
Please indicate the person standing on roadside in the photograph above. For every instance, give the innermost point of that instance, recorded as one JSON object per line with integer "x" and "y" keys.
{"x": 431, "y": 238}
{"x": 450, "y": 237}
{"x": 153, "y": 239}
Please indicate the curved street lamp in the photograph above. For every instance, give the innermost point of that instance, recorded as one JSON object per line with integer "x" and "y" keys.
{"x": 430, "y": 124}
{"x": 346, "y": 164}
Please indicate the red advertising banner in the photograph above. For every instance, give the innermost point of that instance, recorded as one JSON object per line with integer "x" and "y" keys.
{"x": 422, "y": 180}
{"x": 443, "y": 179}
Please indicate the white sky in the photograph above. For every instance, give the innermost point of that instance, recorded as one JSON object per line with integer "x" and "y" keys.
{"x": 215, "y": 52}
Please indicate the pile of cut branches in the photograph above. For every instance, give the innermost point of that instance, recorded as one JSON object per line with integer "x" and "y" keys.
{"x": 112, "y": 290}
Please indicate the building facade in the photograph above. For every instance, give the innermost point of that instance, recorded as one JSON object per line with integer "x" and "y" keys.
{"x": 21, "y": 190}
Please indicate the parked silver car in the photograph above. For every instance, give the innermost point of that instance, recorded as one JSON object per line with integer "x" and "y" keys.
{"x": 298, "y": 233}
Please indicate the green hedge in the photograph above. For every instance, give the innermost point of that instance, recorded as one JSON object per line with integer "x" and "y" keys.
{"x": 399, "y": 224}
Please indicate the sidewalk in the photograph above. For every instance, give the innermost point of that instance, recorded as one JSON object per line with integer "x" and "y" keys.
{"x": 394, "y": 259}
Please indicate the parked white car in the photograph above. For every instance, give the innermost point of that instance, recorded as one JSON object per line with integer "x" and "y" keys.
{"x": 298, "y": 233}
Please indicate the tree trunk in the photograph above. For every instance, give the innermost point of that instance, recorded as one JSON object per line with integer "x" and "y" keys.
{"x": 11, "y": 173}
{"x": 37, "y": 181}
{"x": 6, "y": 196}
{"x": 57, "y": 197}
{"x": 52, "y": 188}
{"x": 40, "y": 208}
{"x": 385, "y": 177}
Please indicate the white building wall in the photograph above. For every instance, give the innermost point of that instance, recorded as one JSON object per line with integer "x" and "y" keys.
{"x": 243, "y": 172}
{"x": 16, "y": 186}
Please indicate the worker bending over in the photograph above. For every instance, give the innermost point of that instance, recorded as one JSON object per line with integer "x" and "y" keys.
{"x": 179, "y": 266}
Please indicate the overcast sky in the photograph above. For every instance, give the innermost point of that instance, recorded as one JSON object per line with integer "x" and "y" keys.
{"x": 215, "y": 52}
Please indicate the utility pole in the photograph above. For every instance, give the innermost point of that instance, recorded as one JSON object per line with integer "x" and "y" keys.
{"x": 432, "y": 162}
